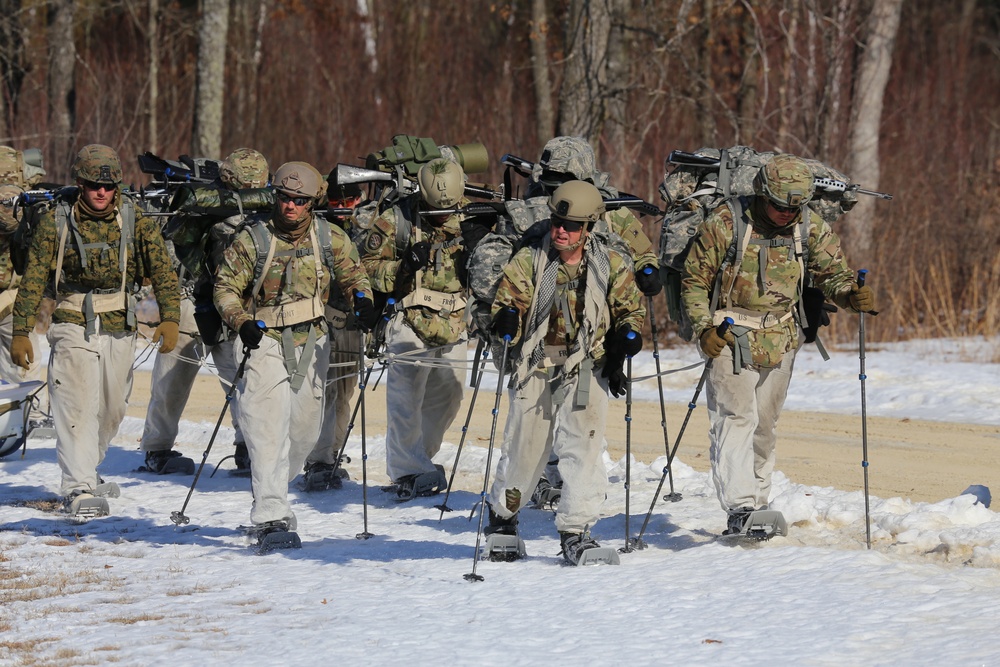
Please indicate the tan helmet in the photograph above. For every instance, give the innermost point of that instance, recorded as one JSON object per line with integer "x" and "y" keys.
{"x": 299, "y": 179}
{"x": 244, "y": 168}
{"x": 98, "y": 164}
{"x": 8, "y": 194}
{"x": 786, "y": 180}
{"x": 442, "y": 183}
{"x": 578, "y": 201}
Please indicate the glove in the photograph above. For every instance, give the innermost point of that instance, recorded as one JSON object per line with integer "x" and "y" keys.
{"x": 250, "y": 334}
{"x": 166, "y": 335}
{"x": 621, "y": 345}
{"x": 617, "y": 380}
{"x": 366, "y": 316}
{"x": 506, "y": 323}
{"x": 22, "y": 352}
{"x": 817, "y": 312}
{"x": 862, "y": 298}
{"x": 648, "y": 281}
{"x": 473, "y": 231}
{"x": 712, "y": 343}
{"x": 417, "y": 257}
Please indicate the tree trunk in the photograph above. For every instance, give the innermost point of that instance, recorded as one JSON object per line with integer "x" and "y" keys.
{"x": 62, "y": 102}
{"x": 583, "y": 92}
{"x": 617, "y": 78}
{"x": 883, "y": 24}
{"x": 545, "y": 124}
{"x": 706, "y": 101}
{"x": 210, "y": 87}
{"x": 152, "y": 35}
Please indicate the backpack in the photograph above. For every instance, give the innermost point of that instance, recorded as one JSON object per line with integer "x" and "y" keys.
{"x": 262, "y": 237}
{"x": 711, "y": 177}
{"x": 21, "y": 168}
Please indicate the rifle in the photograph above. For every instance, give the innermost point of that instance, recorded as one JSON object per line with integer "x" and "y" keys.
{"x": 685, "y": 159}
{"x": 348, "y": 173}
{"x": 188, "y": 170}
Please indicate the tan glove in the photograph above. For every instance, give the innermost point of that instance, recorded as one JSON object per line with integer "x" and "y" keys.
{"x": 862, "y": 298}
{"x": 712, "y": 343}
{"x": 22, "y": 352}
{"x": 166, "y": 335}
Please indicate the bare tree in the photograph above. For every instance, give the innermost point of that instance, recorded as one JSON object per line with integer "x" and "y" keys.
{"x": 152, "y": 34}
{"x": 212, "y": 33}
{"x": 582, "y": 109}
{"x": 62, "y": 92}
{"x": 544, "y": 115}
{"x": 883, "y": 24}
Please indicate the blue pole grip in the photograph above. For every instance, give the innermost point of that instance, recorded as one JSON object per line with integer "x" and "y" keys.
{"x": 260, "y": 325}
{"x": 862, "y": 274}
{"x": 724, "y": 326}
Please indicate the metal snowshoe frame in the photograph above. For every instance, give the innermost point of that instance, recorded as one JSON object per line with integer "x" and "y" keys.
{"x": 15, "y": 399}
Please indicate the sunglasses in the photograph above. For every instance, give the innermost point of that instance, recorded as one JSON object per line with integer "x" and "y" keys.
{"x": 91, "y": 185}
{"x": 298, "y": 201}
{"x": 783, "y": 209}
{"x": 570, "y": 226}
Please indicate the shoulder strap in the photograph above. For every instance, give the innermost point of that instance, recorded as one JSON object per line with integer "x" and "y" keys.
{"x": 404, "y": 224}
{"x": 262, "y": 238}
{"x": 325, "y": 242}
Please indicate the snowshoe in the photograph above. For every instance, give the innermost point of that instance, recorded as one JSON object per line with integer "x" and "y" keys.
{"x": 275, "y": 535}
{"x": 83, "y": 505}
{"x": 582, "y": 549}
{"x": 42, "y": 428}
{"x": 323, "y": 476}
{"x": 755, "y": 526}
{"x": 502, "y": 542}
{"x": 107, "y": 489}
{"x": 546, "y": 495}
{"x": 167, "y": 462}
{"x": 242, "y": 460}
{"x": 425, "y": 484}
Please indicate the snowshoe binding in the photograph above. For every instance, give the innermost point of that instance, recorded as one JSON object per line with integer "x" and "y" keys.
{"x": 242, "y": 460}
{"x": 107, "y": 489}
{"x": 502, "y": 542}
{"x": 750, "y": 525}
{"x": 167, "y": 462}
{"x": 546, "y": 495}
{"x": 275, "y": 536}
{"x": 323, "y": 476}
{"x": 425, "y": 484}
{"x": 83, "y": 505}
{"x": 582, "y": 549}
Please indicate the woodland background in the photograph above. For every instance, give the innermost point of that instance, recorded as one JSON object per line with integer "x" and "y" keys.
{"x": 902, "y": 96}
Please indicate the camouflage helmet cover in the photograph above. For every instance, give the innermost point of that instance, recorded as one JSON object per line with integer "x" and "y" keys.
{"x": 565, "y": 156}
{"x": 8, "y": 193}
{"x": 442, "y": 183}
{"x": 299, "y": 179}
{"x": 99, "y": 164}
{"x": 244, "y": 168}
{"x": 577, "y": 201}
{"x": 786, "y": 180}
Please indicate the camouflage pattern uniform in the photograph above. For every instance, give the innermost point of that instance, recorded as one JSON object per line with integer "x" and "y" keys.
{"x": 554, "y": 407}
{"x": 422, "y": 401}
{"x": 744, "y": 403}
{"x": 281, "y": 423}
{"x": 91, "y": 372}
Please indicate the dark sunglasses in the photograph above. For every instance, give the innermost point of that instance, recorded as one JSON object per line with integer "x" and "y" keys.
{"x": 298, "y": 201}
{"x": 570, "y": 226}
{"x": 783, "y": 209}
{"x": 91, "y": 185}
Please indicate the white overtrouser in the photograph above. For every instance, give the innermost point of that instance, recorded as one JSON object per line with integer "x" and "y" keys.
{"x": 14, "y": 374}
{"x": 342, "y": 380}
{"x": 173, "y": 377}
{"x": 89, "y": 385}
{"x": 535, "y": 429}
{"x": 281, "y": 426}
{"x": 421, "y": 401}
{"x": 743, "y": 413}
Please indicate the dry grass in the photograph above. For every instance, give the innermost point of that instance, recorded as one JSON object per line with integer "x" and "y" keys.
{"x": 139, "y": 618}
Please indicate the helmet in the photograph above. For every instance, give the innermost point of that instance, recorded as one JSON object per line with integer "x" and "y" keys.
{"x": 8, "y": 193}
{"x": 99, "y": 164}
{"x": 442, "y": 183}
{"x": 244, "y": 168}
{"x": 578, "y": 201}
{"x": 339, "y": 192}
{"x": 298, "y": 179}
{"x": 786, "y": 180}
{"x": 565, "y": 157}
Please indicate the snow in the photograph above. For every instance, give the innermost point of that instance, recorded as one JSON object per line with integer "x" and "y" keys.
{"x": 134, "y": 589}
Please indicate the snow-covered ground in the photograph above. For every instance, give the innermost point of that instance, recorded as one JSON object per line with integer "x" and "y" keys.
{"x": 134, "y": 589}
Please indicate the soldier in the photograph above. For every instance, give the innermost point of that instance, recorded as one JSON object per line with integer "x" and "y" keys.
{"x": 570, "y": 305}
{"x": 748, "y": 382}
{"x": 419, "y": 261}
{"x": 279, "y": 270}
{"x": 95, "y": 253}
{"x": 174, "y": 374}
{"x": 322, "y": 471}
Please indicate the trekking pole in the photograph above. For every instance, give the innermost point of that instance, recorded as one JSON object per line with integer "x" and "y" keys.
{"x": 472, "y": 576}
{"x": 637, "y": 543}
{"x": 478, "y": 370}
{"x": 721, "y": 330}
{"x": 179, "y": 518}
{"x": 862, "y": 274}
{"x": 673, "y": 496}
{"x": 363, "y": 375}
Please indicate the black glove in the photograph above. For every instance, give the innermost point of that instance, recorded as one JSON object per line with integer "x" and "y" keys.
{"x": 473, "y": 231}
{"x": 817, "y": 312}
{"x": 365, "y": 314}
{"x": 623, "y": 343}
{"x": 648, "y": 281}
{"x": 417, "y": 257}
{"x": 506, "y": 322}
{"x": 617, "y": 380}
{"x": 251, "y": 333}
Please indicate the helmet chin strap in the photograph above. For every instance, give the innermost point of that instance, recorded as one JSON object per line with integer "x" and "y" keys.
{"x": 563, "y": 247}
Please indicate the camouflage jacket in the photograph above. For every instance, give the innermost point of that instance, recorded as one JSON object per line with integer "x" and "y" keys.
{"x": 624, "y": 223}
{"x": 780, "y": 295}
{"x": 380, "y": 257}
{"x": 291, "y": 275}
{"x": 623, "y": 298}
{"x": 147, "y": 259}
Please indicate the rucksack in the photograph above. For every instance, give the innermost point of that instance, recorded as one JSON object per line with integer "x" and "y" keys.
{"x": 702, "y": 181}
{"x": 21, "y": 168}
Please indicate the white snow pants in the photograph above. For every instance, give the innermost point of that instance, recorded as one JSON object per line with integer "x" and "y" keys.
{"x": 281, "y": 426}
{"x": 173, "y": 378}
{"x": 89, "y": 385}
{"x": 341, "y": 382}
{"x": 421, "y": 401}
{"x": 743, "y": 413}
{"x": 535, "y": 429}
{"x": 14, "y": 374}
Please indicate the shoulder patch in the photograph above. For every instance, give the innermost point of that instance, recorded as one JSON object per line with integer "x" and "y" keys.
{"x": 374, "y": 241}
